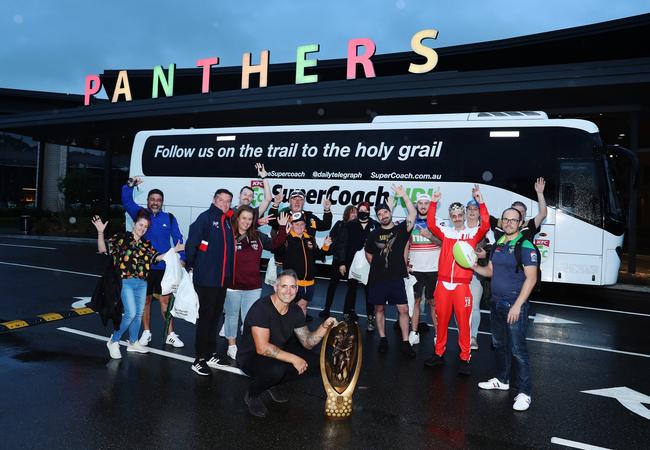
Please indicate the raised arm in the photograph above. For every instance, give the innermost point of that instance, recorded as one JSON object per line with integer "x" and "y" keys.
{"x": 101, "y": 244}
{"x": 483, "y": 213}
{"x": 279, "y": 238}
{"x": 432, "y": 223}
{"x": 410, "y": 209}
{"x": 325, "y": 223}
{"x": 540, "y": 184}
{"x": 262, "y": 173}
{"x": 275, "y": 209}
{"x": 131, "y": 207}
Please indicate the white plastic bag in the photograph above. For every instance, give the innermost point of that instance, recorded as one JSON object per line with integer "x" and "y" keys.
{"x": 186, "y": 300}
{"x": 360, "y": 267}
{"x": 173, "y": 273}
{"x": 409, "y": 283}
{"x": 271, "y": 272}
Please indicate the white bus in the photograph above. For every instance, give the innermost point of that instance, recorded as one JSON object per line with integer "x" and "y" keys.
{"x": 580, "y": 240}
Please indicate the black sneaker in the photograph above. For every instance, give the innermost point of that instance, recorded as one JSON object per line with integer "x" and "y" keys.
{"x": 309, "y": 318}
{"x": 407, "y": 349}
{"x": 324, "y": 314}
{"x": 278, "y": 394}
{"x": 255, "y": 405}
{"x": 434, "y": 361}
{"x": 201, "y": 367}
{"x": 215, "y": 362}
{"x": 383, "y": 345}
{"x": 464, "y": 368}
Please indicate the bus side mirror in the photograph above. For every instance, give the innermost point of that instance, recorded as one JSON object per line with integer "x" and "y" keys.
{"x": 568, "y": 195}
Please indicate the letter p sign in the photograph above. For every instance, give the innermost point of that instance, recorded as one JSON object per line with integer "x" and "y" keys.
{"x": 93, "y": 85}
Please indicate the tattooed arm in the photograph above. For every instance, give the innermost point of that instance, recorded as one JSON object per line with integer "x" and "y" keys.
{"x": 310, "y": 339}
{"x": 264, "y": 347}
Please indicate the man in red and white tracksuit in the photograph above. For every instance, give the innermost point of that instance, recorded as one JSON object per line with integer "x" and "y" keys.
{"x": 452, "y": 291}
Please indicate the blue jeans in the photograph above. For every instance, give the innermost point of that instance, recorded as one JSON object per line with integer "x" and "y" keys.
{"x": 509, "y": 342}
{"x": 237, "y": 302}
{"x": 134, "y": 294}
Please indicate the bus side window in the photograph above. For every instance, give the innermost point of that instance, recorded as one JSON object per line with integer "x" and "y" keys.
{"x": 579, "y": 193}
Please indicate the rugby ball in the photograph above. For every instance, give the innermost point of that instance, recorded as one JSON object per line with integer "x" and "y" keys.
{"x": 464, "y": 254}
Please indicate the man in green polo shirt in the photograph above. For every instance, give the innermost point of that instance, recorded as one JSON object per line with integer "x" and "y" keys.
{"x": 511, "y": 287}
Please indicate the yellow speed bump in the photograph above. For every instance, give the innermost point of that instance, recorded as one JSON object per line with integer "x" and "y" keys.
{"x": 14, "y": 324}
{"x": 50, "y": 316}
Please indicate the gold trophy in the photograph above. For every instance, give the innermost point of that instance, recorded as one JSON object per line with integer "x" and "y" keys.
{"x": 340, "y": 365}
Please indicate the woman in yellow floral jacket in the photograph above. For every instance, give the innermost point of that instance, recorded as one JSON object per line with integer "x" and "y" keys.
{"x": 132, "y": 256}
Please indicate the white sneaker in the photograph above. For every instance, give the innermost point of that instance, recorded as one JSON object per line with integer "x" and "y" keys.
{"x": 173, "y": 339}
{"x": 473, "y": 344}
{"x": 145, "y": 338}
{"x": 232, "y": 351}
{"x": 136, "y": 347}
{"x": 414, "y": 337}
{"x": 494, "y": 383}
{"x": 114, "y": 348}
{"x": 522, "y": 402}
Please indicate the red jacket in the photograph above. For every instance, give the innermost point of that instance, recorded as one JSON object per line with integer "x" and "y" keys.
{"x": 448, "y": 268}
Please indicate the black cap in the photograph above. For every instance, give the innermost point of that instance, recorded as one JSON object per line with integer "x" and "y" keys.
{"x": 298, "y": 193}
{"x": 298, "y": 217}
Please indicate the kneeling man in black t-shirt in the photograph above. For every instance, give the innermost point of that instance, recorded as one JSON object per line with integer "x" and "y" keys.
{"x": 269, "y": 325}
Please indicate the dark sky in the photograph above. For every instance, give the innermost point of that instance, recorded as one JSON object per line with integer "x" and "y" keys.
{"x": 53, "y": 45}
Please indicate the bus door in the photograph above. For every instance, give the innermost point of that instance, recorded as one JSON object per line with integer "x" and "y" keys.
{"x": 578, "y": 224}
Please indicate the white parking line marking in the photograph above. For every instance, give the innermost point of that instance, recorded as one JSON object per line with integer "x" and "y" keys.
{"x": 575, "y": 444}
{"x": 28, "y": 246}
{"x": 184, "y": 358}
{"x": 51, "y": 269}
{"x": 544, "y": 341}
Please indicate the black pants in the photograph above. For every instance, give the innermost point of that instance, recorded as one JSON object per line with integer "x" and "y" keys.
{"x": 335, "y": 277}
{"x": 267, "y": 372}
{"x": 211, "y": 301}
{"x": 351, "y": 298}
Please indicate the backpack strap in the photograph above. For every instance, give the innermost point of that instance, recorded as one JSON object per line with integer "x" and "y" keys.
{"x": 518, "y": 263}
{"x": 171, "y": 219}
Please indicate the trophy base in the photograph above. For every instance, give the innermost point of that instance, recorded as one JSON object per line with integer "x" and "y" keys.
{"x": 338, "y": 406}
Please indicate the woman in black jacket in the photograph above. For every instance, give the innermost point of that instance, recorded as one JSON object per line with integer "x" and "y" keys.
{"x": 351, "y": 239}
{"x": 338, "y": 265}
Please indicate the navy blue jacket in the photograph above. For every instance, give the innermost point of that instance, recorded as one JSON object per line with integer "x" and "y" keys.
{"x": 210, "y": 248}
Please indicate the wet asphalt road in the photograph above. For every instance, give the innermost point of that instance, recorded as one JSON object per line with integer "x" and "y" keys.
{"x": 61, "y": 390}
